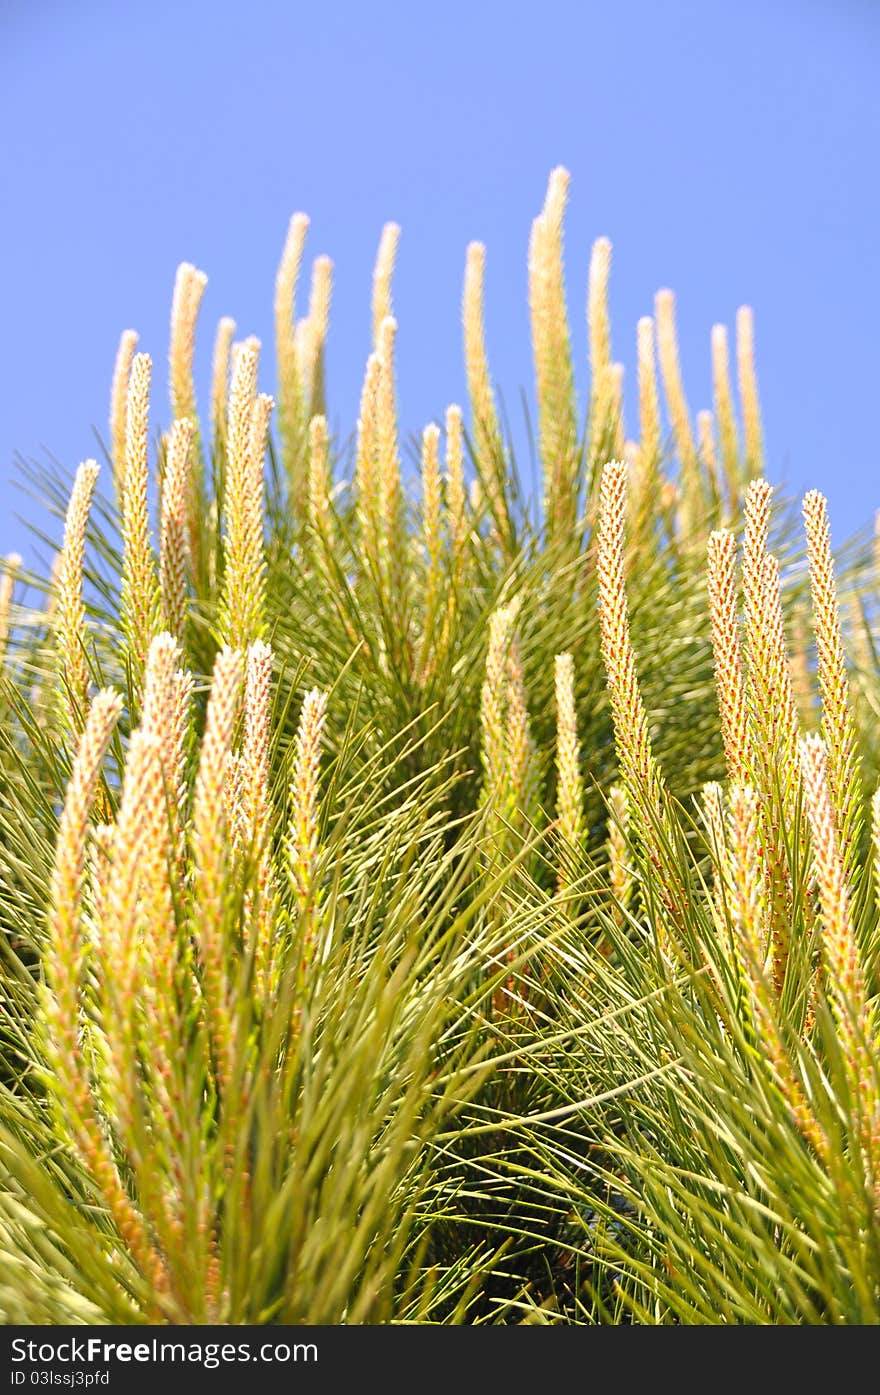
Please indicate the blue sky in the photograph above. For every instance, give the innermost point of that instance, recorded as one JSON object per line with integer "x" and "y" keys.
{"x": 729, "y": 150}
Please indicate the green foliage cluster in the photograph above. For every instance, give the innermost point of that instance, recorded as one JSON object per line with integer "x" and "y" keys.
{"x": 494, "y": 1097}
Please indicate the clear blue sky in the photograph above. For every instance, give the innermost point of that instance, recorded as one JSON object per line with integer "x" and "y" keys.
{"x": 729, "y": 150}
